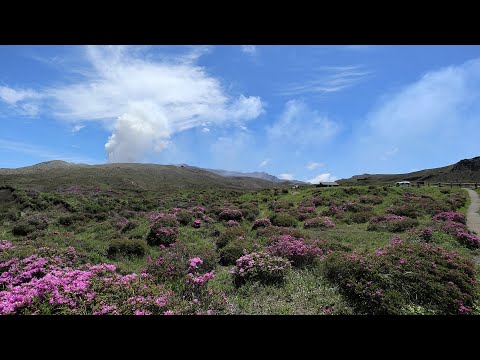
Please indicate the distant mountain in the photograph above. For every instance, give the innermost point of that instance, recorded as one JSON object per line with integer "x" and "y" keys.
{"x": 257, "y": 175}
{"x": 57, "y": 174}
{"x": 466, "y": 170}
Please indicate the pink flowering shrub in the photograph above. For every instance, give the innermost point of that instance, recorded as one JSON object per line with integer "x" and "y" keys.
{"x": 197, "y": 223}
{"x": 392, "y": 223}
{"x": 260, "y": 266}
{"x": 453, "y": 224}
{"x": 261, "y": 223}
{"x": 421, "y": 274}
{"x": 163, "y": 229}
{"x": 319, "y": 222}
{"x": 450, "y": 216}
{"x": 5, "y": 245}
{"x": 232, "y": 223}
{"x": 306, "y": 212}
{"x": 50, "y": 285}
{"x": 172, "y": 263}
{"x": 425, "y": 234}
{"x": 370, "y": 199}
{"x": 295, "y": 250}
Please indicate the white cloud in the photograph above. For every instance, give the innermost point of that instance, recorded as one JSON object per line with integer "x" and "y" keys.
{"x": 249, "y": 49}
{"x": 390, "y": 153}
{"x": 13, "y": 96}
{"x": 313, "y": 165}
{"x": 327, "y": 79}
{"x": 322, "y": 178}
{"x": 264, "y": 163}
{"x": 286, "y": 176}
{"x": 205, "y": 130}
{"x": 433, "y": 117}
{"x": 299, "y": 125}
{"x": 77, "y": 128}
{"x": 143, "y": 101}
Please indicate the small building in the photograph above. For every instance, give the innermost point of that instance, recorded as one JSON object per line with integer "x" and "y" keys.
{"x": 403, "y": 183}
{"x": 327, "y": 184}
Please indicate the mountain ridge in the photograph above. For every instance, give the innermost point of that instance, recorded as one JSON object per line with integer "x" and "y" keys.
{"x": 466, "y": 170}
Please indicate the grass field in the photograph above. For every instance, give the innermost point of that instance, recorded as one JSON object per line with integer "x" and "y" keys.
{"x": 321, "y": 251}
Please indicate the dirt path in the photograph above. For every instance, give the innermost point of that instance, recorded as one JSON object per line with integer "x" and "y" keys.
{"x": 473, "y": 217}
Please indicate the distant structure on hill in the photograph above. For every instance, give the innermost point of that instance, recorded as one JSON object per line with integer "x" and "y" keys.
{"x": 327, "y": 184}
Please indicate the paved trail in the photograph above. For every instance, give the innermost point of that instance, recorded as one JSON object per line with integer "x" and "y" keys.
{"x": 473, "y": 217}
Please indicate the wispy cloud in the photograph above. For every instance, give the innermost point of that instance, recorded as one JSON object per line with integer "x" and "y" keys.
{"x": 300, "y": 125}
{"x": 77, "y": 128}
{"x": 39, "y": 151}
{"x": 428, "y": 116}
{"x": 264, "y": 163}
{"x": 327, "y": 177}
{"x": 142, "y": 100}
{"x": 313, "y": 165}
{"x": 327, "y": 79}
{"x": 286, "y": 176}
{"x": 249, "y": 49}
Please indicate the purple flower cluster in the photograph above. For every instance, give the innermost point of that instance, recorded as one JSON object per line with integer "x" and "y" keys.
{"x": 5, "y": 245}
{"x": 232, "y": 223}
{"x": 294, "y": 249}
{"x": 450, "y": 216}
{"x": 46, "y": 282}
{"x": 260, "y": 266}
{"x": 319, "y": 222}
{"x": 261, "y": 223}
{"x": 197, "y": 223}
{"x": 387, "y": 218}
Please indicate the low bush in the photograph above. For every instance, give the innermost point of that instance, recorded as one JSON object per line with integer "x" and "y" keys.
{"x": 230, "y": 234}
{"x": 401, "y": 275}
{"x": 23, "y": 229}
{"x": 392, "y": 223}
{"x": 235, "y": 249}
{"x": 230, "y": 214}
{"x": 127, "y": 247}
{"x": 358, "y": 217}
{"x": 283, "y": 219}
{"x": 294, "y": 249}
{"x": 184, "y": 217}
{"x": 280, "y": 230}
{"x": 260, "y": 266}
{"x": 319, "y": 223}
{"x": 69, "y": 220}
{"x": 261, "y": 223}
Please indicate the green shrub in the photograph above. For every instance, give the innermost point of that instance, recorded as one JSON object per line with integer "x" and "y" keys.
{"x": 69, "y": 220}
{"x": 401, "y": 275}
{"x": 130, "y": 225}
{"x": 184, "y": 217}
{"x": 127, "y": 247}
{"x": 283, "y": 219}
{"x": 358, "y": 217}
{"x": 269, "y": 231}
{"x": 23, "y": 229}
{"x": 230, "y": 234}
{"x": 234, "y": 250}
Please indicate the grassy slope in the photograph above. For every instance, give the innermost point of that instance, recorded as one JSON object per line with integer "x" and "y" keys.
{"x": 305, "y": 291}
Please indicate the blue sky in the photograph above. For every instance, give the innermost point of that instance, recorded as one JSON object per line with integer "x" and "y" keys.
{"x": 312, "y": 113}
